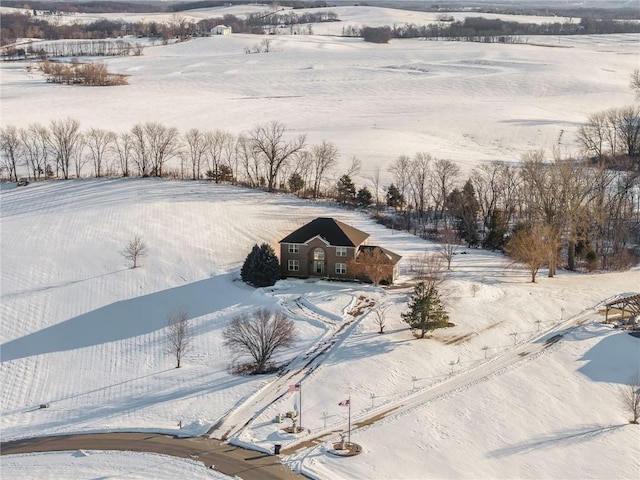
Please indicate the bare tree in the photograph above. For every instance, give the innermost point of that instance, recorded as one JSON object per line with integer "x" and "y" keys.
{"x": 99, "y": 142}
{"x": 196, "y": 149}
{"x": 630, "y": 397}
{"x": 179, "y": 334}
{"x": 123, "y": 145}
{"x": 140, "y": 150}
{"x": 419, "y": 181}
{"x": 354, "y": 167}
{"x": 449, "y": 247}
{"x": 373, "y": 264}
{"x": 445, "y": 174}
{"x": 400, "y": 168}
{"x": 323, "y": 159}
{"x": 135, "y": 249}
{"x": 268, "y": 144}
{"x": 527, "y": 245}
{"x": 78, "y": 157}
{"x": 35, "y": 144}
{"x": 375, "y": 180}
{"x": 163, "y": 144}
{"x": 214, "y": 145}
{"x": 259, "y": 335}
{"x": 635, "y": 83}
{"x": 65, "y": 138}
{"x": 10, "y": 147}
{"x": 250, "y": 162}
{"x": 380, "y": 313}
{"x": 628, "y": 129}
{"x": 428, "y": 268}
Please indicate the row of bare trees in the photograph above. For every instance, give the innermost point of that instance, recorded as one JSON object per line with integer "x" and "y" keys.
{"x": 261, "y": 157}
{"x": 612, "y": 133}
{"x": 573, "y": 206}
{"x": 589, "y": 209}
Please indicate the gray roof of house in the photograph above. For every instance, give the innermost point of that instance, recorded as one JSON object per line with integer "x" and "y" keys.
{"x": 331, "y": 230}
{"x": 393, "y": 257}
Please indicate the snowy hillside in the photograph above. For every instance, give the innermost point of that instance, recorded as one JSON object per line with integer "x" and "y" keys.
{"x": 84, "y": 333}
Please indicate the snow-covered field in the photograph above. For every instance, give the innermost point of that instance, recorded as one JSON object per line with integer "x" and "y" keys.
{"x": 84, "y": 333}
{"x": 484, "y": 399}
{"x": 468, "y": 102}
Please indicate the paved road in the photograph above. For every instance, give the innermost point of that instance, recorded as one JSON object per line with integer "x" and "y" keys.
{"x": 228, "y": 459}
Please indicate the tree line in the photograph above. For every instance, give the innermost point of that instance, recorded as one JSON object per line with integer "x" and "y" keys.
{"x": 587, "y": 207}
{"x": 20, "y": 25}
{"x": 480, "y": 29}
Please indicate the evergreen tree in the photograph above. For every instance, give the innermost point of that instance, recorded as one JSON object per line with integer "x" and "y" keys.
{"x": 463, "y": 206}
{"x": 497, "y": 230}
{"x": 261, "y": 268}
{"x": 296, "y": 183}
{"x": 346, "y": 190}
{"x": 394, "y": 198}
{"x": 426, "y": 311}
{"x": 364, "y": 197}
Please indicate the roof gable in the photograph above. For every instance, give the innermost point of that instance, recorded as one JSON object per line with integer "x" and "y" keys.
{"x": 332, "y": 231}
{"x": 393, "y": 257}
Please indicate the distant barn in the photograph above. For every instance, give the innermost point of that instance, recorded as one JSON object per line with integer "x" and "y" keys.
{"x": 221, "y": 30}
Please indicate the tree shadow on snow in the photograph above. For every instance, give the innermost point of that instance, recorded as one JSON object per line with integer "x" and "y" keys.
{"x": 565, "y": 438}
{"x": 128, "y": 318}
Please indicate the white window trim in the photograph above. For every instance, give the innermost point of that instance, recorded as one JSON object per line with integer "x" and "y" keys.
{"x": 343, "y": 268}
{"x": 294, "y": 248}
{"x": 341, "y": 251}
{"x": 294, "y": 265}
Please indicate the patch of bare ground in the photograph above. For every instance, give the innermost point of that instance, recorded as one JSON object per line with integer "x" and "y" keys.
{"x": 360, "y": 307}
{"x": 372, "y": 420}
{"x": 399, "y": 286}
{"x": 312, "y": 442}
{"x": 456, "y": 339}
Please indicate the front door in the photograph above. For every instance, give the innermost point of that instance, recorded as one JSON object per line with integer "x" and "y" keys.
{"x": 318, "y": 261}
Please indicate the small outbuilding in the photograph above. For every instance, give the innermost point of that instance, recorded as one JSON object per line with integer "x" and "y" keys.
{"x": 221, "y": 30}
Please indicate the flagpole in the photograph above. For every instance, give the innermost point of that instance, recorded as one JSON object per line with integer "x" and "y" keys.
{"x": 300, "y": 401}
{"x": 349, "y": 435}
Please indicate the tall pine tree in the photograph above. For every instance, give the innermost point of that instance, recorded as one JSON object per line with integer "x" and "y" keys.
{"x": 261, "y": 268}
{"x": 426, "y": 311}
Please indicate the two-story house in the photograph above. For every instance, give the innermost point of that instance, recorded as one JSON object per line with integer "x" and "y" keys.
{"x": 328, "y": 248}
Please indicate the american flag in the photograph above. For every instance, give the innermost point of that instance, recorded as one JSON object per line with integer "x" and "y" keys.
{"x": 294, "y": 388}
{"x": 344, "y": 403}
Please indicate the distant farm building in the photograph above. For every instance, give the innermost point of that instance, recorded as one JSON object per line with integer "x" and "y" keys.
{"x": 221, "y": 30}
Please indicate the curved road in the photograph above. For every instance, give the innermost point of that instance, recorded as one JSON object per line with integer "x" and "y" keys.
{"x": 228, "y": 459}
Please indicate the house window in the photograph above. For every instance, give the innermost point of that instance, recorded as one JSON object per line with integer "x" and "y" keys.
{"x": 294, "y": 265}
{"x": 341, "y": 268}
{"x": 318, "y": 261}
{"x": 341, "y": 251}
{"x": 294, "y": 248}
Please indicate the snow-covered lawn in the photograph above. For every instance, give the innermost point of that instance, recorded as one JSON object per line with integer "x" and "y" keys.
{"x": 84, "y": 333}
